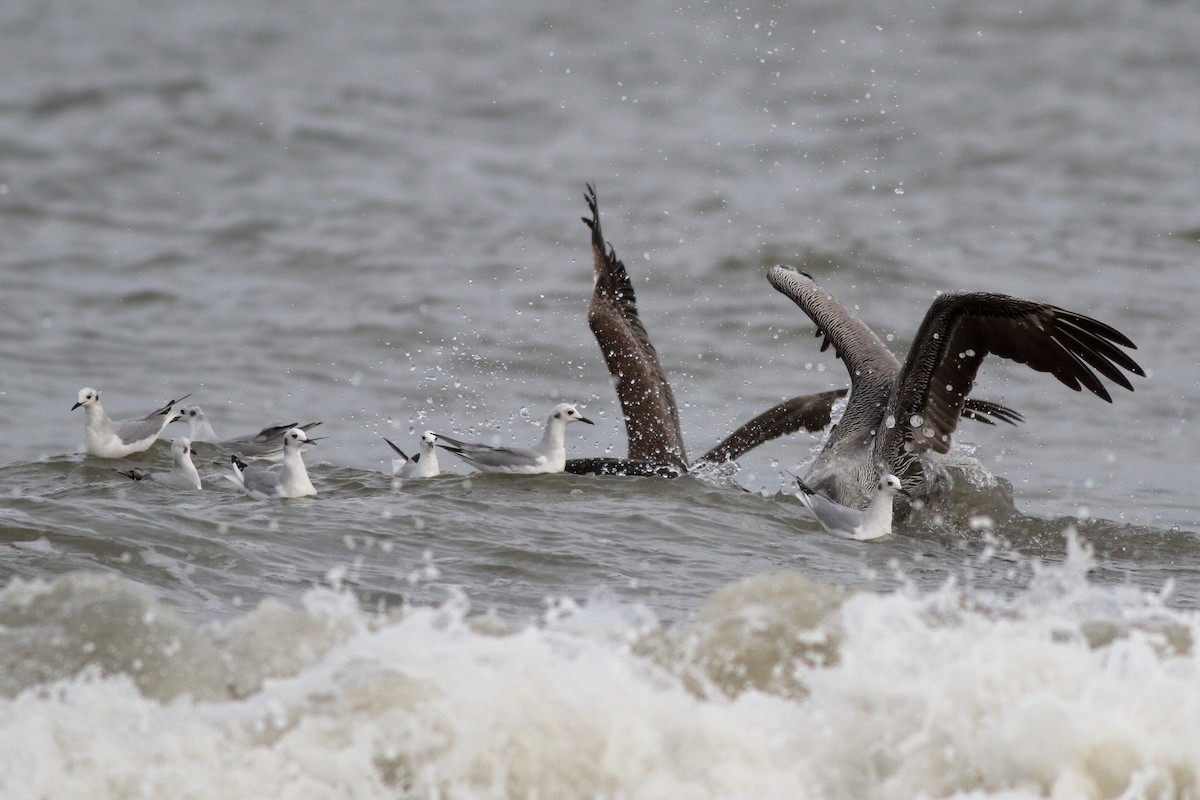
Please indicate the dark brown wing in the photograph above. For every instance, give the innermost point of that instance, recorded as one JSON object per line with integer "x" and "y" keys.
{"x": 961, "y": 328}
{"x": 648, "y": 405}
{"x": 810, "y": 412}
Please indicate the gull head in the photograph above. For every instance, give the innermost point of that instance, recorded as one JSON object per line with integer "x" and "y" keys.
{"x": 189, "y": 413}
{"x": 429, "y": 438}
{"x": 87, "y": 397}
{"x": 567, "y": 413}
{"x": 295, "y": 438}
{"x": 181, "y": 447}
{"x": 891, "y": 485}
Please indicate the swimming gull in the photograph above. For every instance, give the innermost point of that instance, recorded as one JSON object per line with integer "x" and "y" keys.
{"x": 288, "y": 480}
{"x": 872, "y": 522}
{"x": 182, "y": 475}
{"x": 652, "y": 428}
{"x": 422, "y": 465}
{"x": 109, "y": 438}
{"x": 266, "y": 444}
{"x": 548, "y": 455}
{"x": 897, "y": 415}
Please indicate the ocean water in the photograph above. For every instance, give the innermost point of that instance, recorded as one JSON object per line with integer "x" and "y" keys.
{"x": 368, "y": 214}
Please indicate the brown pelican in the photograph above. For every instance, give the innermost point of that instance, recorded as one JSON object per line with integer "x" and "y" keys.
{"x": 896, "y": 414}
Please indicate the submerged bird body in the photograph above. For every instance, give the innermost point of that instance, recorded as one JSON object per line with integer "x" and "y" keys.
{"x": 110, "y": 438}
{"x": 422, "y": 465}
{"x": 182, "y": 475}
{"x": 872, "y": 522}
{"x": 548, "y": 455}
{"x": 266, "y": 444}
{"x": 898, "y": 415}
{"x": 287, "y": 480}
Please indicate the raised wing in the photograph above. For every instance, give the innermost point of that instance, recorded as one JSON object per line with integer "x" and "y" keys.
{"x": 647, "y": 403}
{"x": 961, "y": 328}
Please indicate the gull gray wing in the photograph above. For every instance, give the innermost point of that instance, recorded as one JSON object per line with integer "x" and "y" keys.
{"x": 647, "y": 402}
{"x": 961, "y": 328}
{"x": 160, "y": 412}
{"x": 834, "y": 517}
{"x": 810, "y": 412}
{"x": 130, "y": 431}
{"x": 487, "y": 456}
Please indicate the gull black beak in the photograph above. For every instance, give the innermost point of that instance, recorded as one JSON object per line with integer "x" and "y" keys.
{"x": 77, "y": 405}
{"x": 905, "y": 492}
{"x": 585, "y": 419}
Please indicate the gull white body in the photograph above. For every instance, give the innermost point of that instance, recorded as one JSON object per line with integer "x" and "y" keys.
{"x": 266, "y": 444}
{"x": 548, "y": 455}
{"x": 110, "y": 438}
{"x": 423, "y": 465}
{"x": 872, "y": 522}
{"x": 288, "y": 480}
{"x": 183, "y": 474}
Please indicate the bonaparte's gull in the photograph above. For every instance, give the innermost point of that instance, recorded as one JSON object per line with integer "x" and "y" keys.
{"x": 548, "y": 455}
{"x": 288, "y": 480}
{"x": 183, "y": 474}
{"x": 422, "y": 465}
{"x": 897, "y": 415}
{"x": 647, "y": 402}
{"x": 109, "y": 438}
{"x": 873, "y": 522}
{"x": 266, "y": 444}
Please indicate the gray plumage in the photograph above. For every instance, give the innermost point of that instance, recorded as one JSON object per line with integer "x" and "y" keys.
{"x": 896, "y": 414}
{"x": 266, "y": 444}
{"x": 548, "y": 455}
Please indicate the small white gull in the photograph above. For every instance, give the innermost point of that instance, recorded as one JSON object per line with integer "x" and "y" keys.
{"x": 422, "y": 465}
{"x": 548, "y": 455}
{"x": 872, "y": 522}
{"x": 288, "y": 480}
{"x": 110, "y": 438}
{"x": 182, "y": 475}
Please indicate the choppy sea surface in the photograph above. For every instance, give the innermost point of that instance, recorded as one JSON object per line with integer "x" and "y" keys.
{"x": 368, "y": 213}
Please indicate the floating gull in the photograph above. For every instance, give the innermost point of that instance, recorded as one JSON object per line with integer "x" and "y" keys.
{"x": 119, "y": 438}
{"x": 647, "y": 403}
{"x": 288, "y": 480}
{"x": 422, "y": 465}
{"x": 266, "y": 444}
{"x": 896, "y": 414}
{"x": 548, "y": 455}
{"x": 183, "y": 474}
{"x": 873, "y": 522}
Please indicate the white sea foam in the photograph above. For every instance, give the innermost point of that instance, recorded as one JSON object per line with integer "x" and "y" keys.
{"x": 780, "y": 688}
